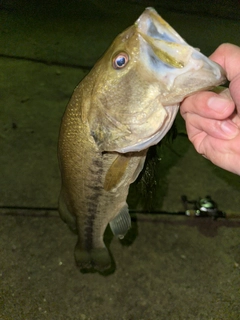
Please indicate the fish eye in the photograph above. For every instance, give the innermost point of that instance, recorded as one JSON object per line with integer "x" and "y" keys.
{"x": 120, "y": 60}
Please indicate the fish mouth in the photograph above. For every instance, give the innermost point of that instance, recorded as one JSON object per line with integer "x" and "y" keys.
{"x": 165, "y": 42}
{"x": 168, "y": 55}
{"x": 152, "y": 24}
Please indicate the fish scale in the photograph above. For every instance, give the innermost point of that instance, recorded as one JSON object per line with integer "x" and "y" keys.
{"x": 94, "y": 191}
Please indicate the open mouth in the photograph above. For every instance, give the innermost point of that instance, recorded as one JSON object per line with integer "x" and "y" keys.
{"x": 166, "y": 47}
{"x": 152, "y": 25}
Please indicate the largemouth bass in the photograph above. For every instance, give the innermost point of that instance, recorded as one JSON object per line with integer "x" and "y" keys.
{"x": 126, "y": 104}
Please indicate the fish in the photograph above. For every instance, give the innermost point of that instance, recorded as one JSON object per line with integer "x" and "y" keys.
{"x": 123, "y": 106}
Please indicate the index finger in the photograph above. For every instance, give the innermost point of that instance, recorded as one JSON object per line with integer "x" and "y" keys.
{"x": 228, "y": 56}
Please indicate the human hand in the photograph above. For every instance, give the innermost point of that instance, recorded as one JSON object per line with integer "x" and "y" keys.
{"x": 213, "y": 120}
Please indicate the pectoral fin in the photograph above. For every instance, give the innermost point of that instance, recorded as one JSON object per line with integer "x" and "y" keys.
{"x": 116, "y": 172}
{"x": 121, "y": 223}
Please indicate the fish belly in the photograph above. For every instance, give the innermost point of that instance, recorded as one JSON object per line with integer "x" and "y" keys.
{"x": 84, "y": 204}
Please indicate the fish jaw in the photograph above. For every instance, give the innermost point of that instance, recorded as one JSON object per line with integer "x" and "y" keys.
{"x": 180, "y": 68}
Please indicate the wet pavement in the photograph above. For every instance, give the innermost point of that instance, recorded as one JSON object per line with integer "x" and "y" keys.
{"x": 168, "y": 267}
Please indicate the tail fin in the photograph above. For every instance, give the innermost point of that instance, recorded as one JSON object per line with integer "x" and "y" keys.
{"x": 97, "y": 258}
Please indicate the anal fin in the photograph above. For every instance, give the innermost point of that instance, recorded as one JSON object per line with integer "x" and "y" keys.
{"x": 121, "y": 223}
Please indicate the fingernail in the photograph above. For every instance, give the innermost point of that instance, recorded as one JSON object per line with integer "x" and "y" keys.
{"x": 218, "y": 104}
{"x": 230, "y": 128}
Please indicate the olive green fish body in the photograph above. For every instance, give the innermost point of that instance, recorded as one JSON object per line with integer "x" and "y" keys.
{"x": 126, "y": 104}
{"x": 94, "y": 201}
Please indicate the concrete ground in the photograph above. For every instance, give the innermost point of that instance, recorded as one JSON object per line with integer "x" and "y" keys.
{"x": 167, "y": 267}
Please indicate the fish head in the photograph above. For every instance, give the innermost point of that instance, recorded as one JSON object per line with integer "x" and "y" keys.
{"x": 138, "y": 84}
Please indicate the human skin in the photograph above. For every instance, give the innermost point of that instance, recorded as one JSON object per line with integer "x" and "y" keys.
{"x": 213, "y": 120}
